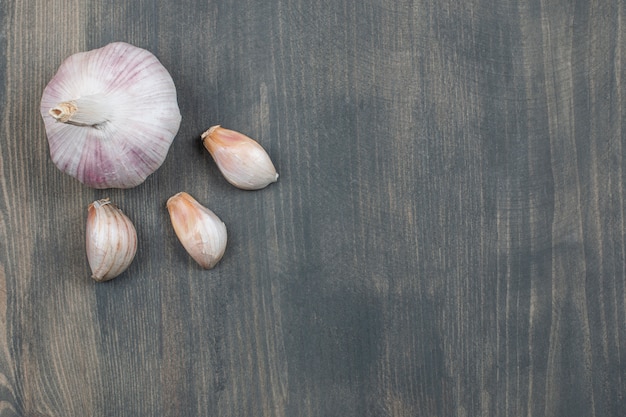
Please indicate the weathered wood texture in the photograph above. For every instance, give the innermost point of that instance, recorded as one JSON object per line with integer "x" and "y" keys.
{"x": 446, "y": 238}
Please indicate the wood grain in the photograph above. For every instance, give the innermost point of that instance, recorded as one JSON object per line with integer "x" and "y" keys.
{"x": 446, "y": 237}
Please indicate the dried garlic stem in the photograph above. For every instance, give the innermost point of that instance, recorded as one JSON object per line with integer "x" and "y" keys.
{"x": 63, "y": 111}
{"x": 88, "y": 111}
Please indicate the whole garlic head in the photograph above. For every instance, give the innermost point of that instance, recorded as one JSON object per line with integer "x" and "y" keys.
{"x": 110, "y": 115}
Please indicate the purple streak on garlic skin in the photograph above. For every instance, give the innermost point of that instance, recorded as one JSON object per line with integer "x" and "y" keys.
{"x": 126, "y": 120}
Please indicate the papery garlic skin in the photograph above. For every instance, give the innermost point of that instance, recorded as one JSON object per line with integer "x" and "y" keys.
{"x": 110, "y": 115}
{"x": 199, "y": 230}
{"x": 242, "y": 160}
{"x": 111, "y": 240}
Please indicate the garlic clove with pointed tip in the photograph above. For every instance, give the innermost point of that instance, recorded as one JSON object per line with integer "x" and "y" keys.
{"x": 200, "y": 231}
{"x": 242, "y": 160}
{"x": 111, "y": 240}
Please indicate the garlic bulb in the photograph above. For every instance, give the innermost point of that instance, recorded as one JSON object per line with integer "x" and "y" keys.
{"x": 201, "y": 232}
{"x": 111, "y": 240}
{"x": 110, "y": 116}
{"x": 243, "y": 162}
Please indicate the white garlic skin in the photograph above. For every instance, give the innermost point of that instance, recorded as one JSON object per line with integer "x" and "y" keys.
{"x": 111, "y": 240}
{"x": 242, "y": 160}
{"x": 126, "y": 115}
{"x": 199, "y": 230}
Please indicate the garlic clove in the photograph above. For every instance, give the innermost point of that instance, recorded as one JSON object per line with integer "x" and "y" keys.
{"x": 243, "y": 161}
{"x": 200, "y": 231}
{"x": 111, "y": 240}
{"x": 110, "y": 115}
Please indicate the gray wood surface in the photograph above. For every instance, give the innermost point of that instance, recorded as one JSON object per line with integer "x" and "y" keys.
{"x": 446, "y": 237}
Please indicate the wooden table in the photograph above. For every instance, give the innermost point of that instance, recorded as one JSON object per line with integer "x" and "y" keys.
{"x": 446, "y": 237}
